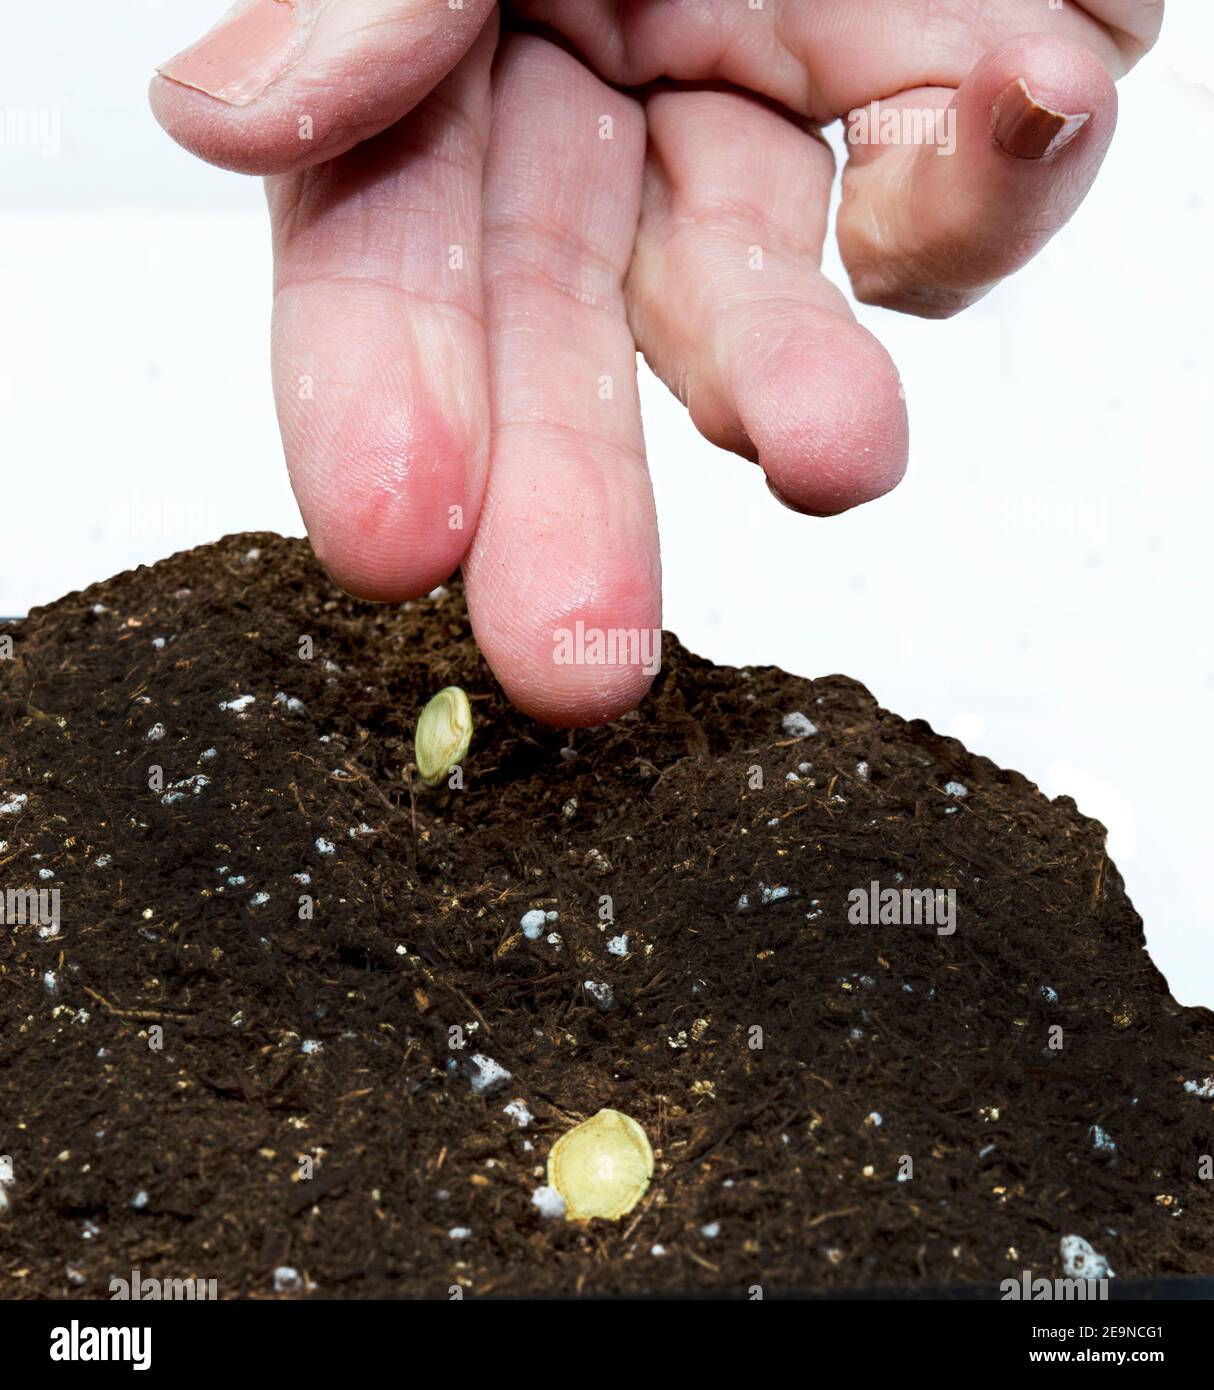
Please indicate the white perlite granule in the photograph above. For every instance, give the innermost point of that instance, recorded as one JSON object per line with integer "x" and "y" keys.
{"x": 549, "y": 1202}
{"x": 487, "y": 1074}
{"x": 1080, "y": 1261}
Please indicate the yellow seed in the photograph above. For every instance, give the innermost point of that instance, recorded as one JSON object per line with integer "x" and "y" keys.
{"x": 602, "y": 1167}
{"x": 444, "y": 731}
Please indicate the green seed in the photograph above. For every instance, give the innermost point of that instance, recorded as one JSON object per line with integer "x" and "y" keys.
{"x": 444, "y": 731}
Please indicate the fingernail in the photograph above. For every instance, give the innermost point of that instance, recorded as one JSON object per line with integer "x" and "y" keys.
{"x": 792, "y": 506}
{"x": 246, "y": 52}
{"x": 1022, "y": 127}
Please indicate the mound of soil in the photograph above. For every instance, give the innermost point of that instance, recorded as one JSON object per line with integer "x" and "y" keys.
{"x": 266, "y": 1041}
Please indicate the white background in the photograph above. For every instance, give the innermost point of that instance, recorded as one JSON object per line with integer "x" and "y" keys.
{"x": 1038, "y": 586}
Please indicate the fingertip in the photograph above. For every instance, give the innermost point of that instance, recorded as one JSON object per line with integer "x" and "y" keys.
{"x": 563, "y": 658}
{"x": 277, "y": 87}
{"x": 384, "y": 547}
{"x": 576, "y": 673}
{"x": 380, "y": 574}
{"x": 243, "y": 139}
{"x": 930, "y": 227}
{"x": 390, "y": 497}
{"x": 1036, "y": 95}
{"x": 1058, "y": 66}
{"x": 828, "y": 420}
{"x": 576, "y": 698}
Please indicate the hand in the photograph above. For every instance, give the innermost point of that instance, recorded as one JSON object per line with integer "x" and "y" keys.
{"x": 471, "y": 239}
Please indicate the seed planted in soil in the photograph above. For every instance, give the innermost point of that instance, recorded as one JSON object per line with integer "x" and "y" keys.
{"x": 601, "y": 1167}
{"x": 444, "y": 731}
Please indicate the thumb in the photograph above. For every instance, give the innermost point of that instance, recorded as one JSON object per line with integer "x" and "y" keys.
{"x": 279, "y": 85}
{"x": 1030, "y": 126}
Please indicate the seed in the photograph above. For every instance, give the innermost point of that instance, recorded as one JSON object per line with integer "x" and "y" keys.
{"x": 444, "y": 731}
{"x": 602, "y": 1167}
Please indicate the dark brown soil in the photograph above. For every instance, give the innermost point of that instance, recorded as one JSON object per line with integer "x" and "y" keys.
{"x": 771, "y": 1168}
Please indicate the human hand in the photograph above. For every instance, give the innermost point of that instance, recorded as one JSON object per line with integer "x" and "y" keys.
{"x": 468, "y": 250}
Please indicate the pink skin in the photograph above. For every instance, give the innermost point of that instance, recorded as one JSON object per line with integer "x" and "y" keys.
{"x": 252, "y": 48}
{"x": 569, "y": 531}
{"x": 353, "y": 67}
{"x": 770, "y": 358}
{"x": 389, "y": 446}
{"x": 435, "y": 414}
{"x": 930, "y": 235}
